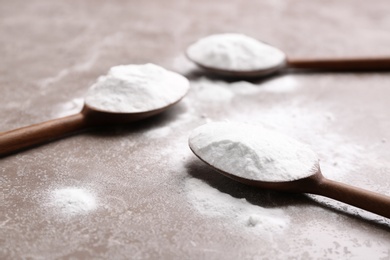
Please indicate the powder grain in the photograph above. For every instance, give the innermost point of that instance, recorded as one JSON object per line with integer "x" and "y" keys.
{"x": 211, "y": 202}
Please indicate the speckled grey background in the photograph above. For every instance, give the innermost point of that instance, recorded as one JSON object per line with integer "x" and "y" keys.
{"x": 52, "y": 51}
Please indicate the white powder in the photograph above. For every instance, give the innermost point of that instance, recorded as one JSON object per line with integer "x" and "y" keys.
{"x": 278, "y": 85}
{"x": 239, "y": 212}
{"x": 211, "y": 93}
{"x": 136, "y": 88}
{"x": 236, "y": 52}
{"x": 68, "y": 108}
{"x": 253, "y": 152}
{"x": 72, "y": 201}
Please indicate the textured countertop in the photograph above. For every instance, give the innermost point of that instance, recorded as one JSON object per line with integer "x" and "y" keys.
{"x": 137, "y": 191}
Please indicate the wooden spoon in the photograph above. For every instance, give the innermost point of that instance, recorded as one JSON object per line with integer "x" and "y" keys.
{"x": 88, "y": 117}
{"x": 21, "y": 138}
{"x": 312, "y": 182}
{"x": 334, "y": 65}
{"x": 317, "y": 64}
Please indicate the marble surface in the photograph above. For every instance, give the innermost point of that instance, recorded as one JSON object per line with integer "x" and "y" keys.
{"x": 137, "y": 191}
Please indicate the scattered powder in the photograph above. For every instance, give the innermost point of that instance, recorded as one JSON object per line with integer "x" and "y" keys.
{"x": 213, "y": 203}
{"x": 206, "y": 89}
{"x": 232, "y": 51}
{"x": 181, "y": 119}
{"x": 73, "y": 201}
{"x": 244, "y": 88}
{"x": 253, "y": 152}
{"x": 182, "y": 65}
{"x": 329, "y": 116}
{"x": 160, "y": 132}
{"x": 136, "y": 88}
{"x": 212, "y": 92}
{"x": 283, "y": 84}
{"x": 69, "y": 108}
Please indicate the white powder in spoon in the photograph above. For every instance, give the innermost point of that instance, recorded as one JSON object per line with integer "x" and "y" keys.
{"x": 136, "y": 88}
{"x": 253, "y": 152}
{"x": 236, "y": 52}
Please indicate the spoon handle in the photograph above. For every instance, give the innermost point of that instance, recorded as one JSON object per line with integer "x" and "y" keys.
{"x": 28, "y": 136}
{"x": 364, "y": 199}
{"x": 341, "y": 64}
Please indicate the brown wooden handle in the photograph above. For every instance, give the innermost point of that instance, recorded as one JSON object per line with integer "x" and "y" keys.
{"x": 342, "y": 64}
{"x": 367, "y": 200}
{"x": 28, "y": 136}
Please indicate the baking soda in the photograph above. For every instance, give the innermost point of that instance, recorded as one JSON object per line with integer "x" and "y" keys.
{"x": 73, "y": 201}
{"x": 136, "y": 88}
{"x": 237, "y": 52}
{"x": 253, "y": 152}
{"x": 235, "y": 211}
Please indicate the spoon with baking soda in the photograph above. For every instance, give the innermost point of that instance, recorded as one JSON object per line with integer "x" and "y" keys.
{"x": 238, "y": 55}
{"x": 128, "y": 93}
{"x": 265, "y": 159}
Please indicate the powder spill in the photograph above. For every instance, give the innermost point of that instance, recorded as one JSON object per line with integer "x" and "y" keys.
{"x": 253, "y": 152}
{"x": 233, "y": 51}
{"x": 219, "y": 90}
{"x": 136, "y": 88}
{"x": 69, "y": 108}
{"x": 215, "y": 93}
{"x": 73, "y": 201}
{"x": 280, "y": 85}
{"x": 239, "y": 212}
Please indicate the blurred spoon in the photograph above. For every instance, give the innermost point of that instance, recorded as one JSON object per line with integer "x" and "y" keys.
{"x": 90, "y": 116}
{"x": 312, "y": 181}
{"x": 281, "y": 61}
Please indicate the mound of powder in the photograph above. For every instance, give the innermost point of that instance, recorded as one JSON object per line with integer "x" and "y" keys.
{"x": 253, "y": 152}
{"x": 236, "y": 52}
{"x": 73, "y": 201}
{"x": 136, "y": 88}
